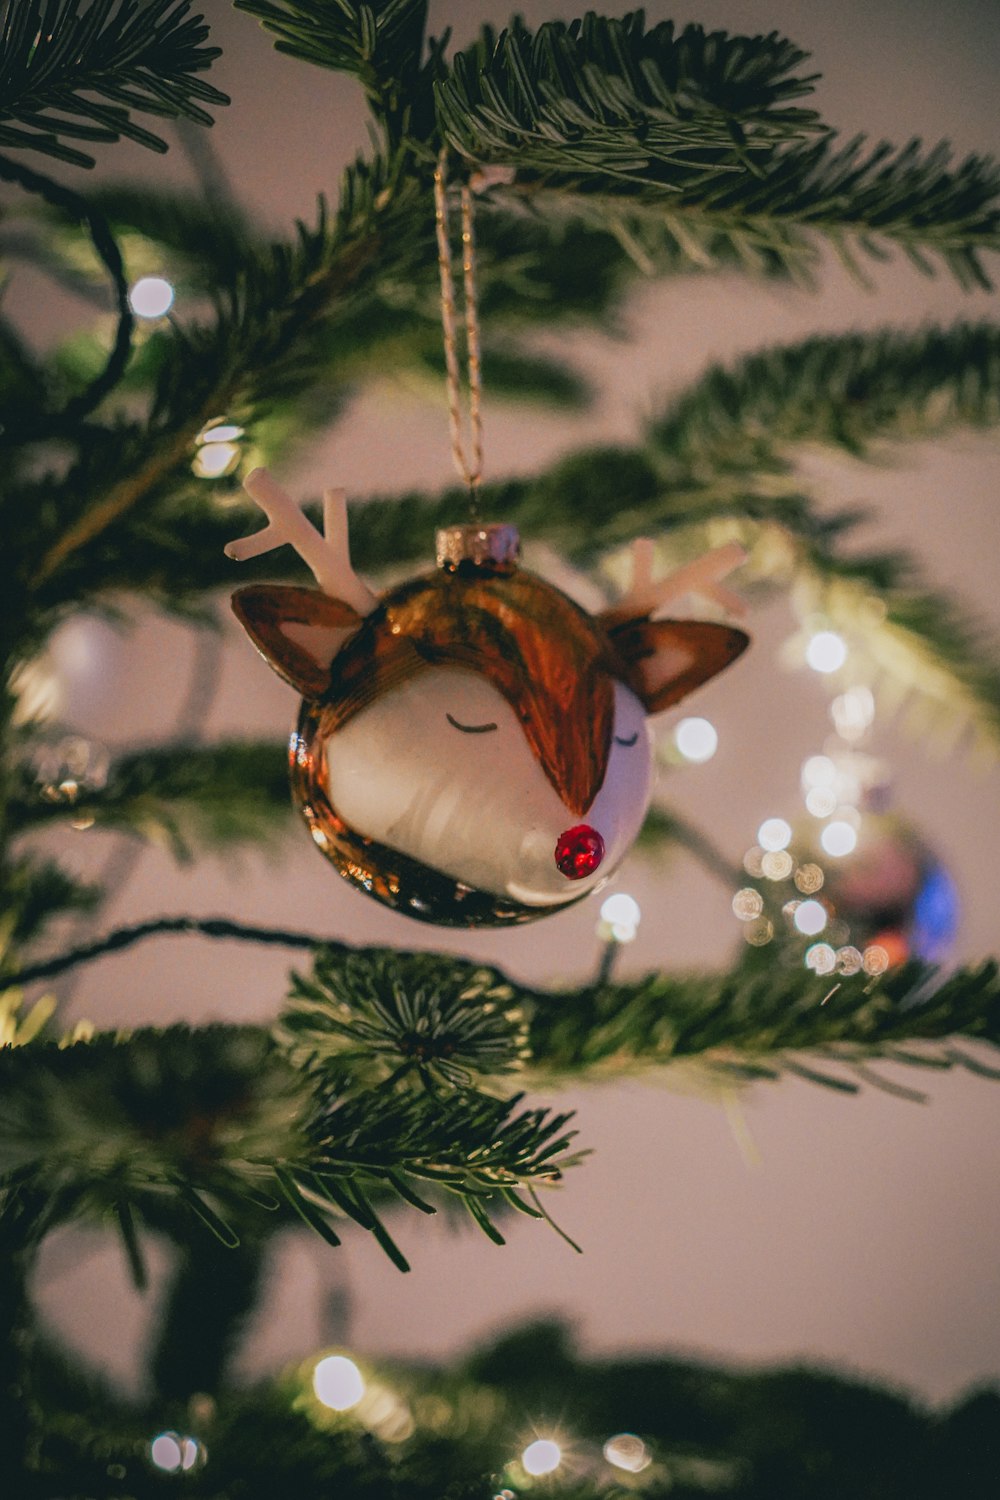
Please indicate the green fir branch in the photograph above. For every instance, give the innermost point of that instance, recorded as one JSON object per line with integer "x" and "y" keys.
{"x": 610, "y": 100}
{"x": 851, "y": 391}
{"x": 190, "y": 798}
{"x": 68, "y": 73}
{"x": 380, "y": 43}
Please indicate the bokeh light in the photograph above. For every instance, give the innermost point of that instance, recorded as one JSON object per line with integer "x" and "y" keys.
{"x": 620, "y": 917}
{"x": 151, "y": 297}
{"x": 774, "y": 833}
{"x": 338, "y": 1383}
{"x": 541, "y": 1457}
{"x": 628, "y": 1452}
{"x": 826, "y": 651}
{"x": 839, "y": 838}
{"x": 696, "y": 739}
{"x": 810, "y": 917}
{"x": 821, "y": 958}
{"x": 748, "y": 904}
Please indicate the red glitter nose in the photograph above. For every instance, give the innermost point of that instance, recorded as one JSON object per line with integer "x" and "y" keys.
{"x": 579, "y": 851}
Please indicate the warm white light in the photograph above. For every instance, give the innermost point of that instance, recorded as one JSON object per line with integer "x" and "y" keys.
{"x": 821, "y": 801}
{"x": 810, "y": 917}
{"x": 826, "y": 652}
{"x": 748, "y": 904}
{"x": 213, "y": 460}
{"x": 622, "y": 914}
{"x": 151, "y": 297}
{"x": 853, "y": 712}
{"x": 821, "y": 958}
{"x": 626, "y": 1451}
{"x": 696, "y": 739}
{"x": 541, "y": 1457}
{"x": 838, "y": 838}
{"x": 337, "y": 1382}
{"x": 220, "y": 432}
{"x": 774, "y": 834}
{"x": 777, "y": 864}
{"x": 167, "y": 1453}
{"x": 819, "y": 770}
{"x": 875, "y": 959}
{"x": 849, "y": 960}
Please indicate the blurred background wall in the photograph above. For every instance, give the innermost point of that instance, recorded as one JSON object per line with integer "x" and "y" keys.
{"x": 861, "y": 1232}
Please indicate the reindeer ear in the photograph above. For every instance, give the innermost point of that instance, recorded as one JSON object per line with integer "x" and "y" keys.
{"x": 298, "y": 631}
{"x": 667, "y": 659}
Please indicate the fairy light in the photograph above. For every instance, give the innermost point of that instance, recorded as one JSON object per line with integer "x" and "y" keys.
{"x": 818, "y": 770}
{"x": 810, "y": 917}
{"x": 696, "y": 739}
{"x": 215, "y": 460}
{"x": 175, "y": 1454}
{"x": 338, "y": 1382}
{"x": 821, "y": 801}
{"x": 852, "y": 713}
{"x": 748, "y": 904}
{"x": 774, "y": 834}
{"x": 821, "y": 958}
{"x": 543, "y": 1456}
{"x": 826, "y": 652}
{"x": 620, "y": 916}
{"x": 628, "y": 1452}
{"x": 839, "y": 838}
{"x": 151, "y": 297}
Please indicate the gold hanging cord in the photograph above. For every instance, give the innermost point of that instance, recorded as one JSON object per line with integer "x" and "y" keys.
{"x": 469, "y": 467}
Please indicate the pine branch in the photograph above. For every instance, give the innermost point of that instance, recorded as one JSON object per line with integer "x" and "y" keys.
{"x": 134, "y": 58}
{"x": 380, "y": 43}
{"x": 741, "y": 1027}
{"x": 217, "y": 1121}
{"x": 188, "y": 797}
{"x": 848, "y": 390}
{"x": 610, "y": 99}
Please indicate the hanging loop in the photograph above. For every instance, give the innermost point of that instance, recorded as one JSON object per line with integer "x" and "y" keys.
{"x": 469, "y": 466}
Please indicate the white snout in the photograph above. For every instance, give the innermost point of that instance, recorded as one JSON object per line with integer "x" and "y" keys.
{"x": 439, "y": 769}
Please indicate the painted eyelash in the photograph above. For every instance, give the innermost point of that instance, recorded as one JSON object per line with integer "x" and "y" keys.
{"x": 469, "y": 728}
{"x": 628, "y": 742}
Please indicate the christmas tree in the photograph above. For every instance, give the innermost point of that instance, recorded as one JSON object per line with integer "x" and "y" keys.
{"x": 165, "y": 1084}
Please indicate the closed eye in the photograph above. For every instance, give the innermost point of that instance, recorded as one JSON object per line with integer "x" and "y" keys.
{"x": 630, "y": 741}
{"x": 470, "y": 728}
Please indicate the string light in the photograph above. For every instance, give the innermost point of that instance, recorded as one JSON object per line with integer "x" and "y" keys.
{"x": 175, "y": 1454}
{"x": 810, "y": 917}
{"x": 826, "y": 652}
{"x": 218, "y": 450}
{"x": 774, "y": 834}
{"x": 821, "y": 958}
{"x": 696, "y": 739}
{"x": 338, "y": 1382}
{"x": 151, "y": 297}
{"x": 839, "y": 838}
{"x": 543, "y": 1456}
{"x": 620, "y": 916}
{"x": 628, "y": 1452}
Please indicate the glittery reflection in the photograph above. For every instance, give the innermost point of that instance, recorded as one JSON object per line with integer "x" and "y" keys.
{"x": 748, "y": 904}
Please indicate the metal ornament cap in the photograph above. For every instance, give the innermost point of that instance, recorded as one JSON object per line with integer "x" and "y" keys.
{"x": 492, "y": 547}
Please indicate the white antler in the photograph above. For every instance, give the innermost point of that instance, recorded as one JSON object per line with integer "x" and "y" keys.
{"x": 328, "y": 556}
{"x": 702, "y": 576}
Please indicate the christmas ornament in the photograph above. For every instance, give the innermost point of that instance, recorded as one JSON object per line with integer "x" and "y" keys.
{"x": 472, "y": 747}
{"x": 885, "y": 899}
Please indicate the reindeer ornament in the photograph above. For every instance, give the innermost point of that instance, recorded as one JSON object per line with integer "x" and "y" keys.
{"x": 472, "y": 747}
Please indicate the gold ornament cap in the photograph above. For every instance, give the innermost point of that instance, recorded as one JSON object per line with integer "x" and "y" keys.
{"x": 493, "y": 547}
